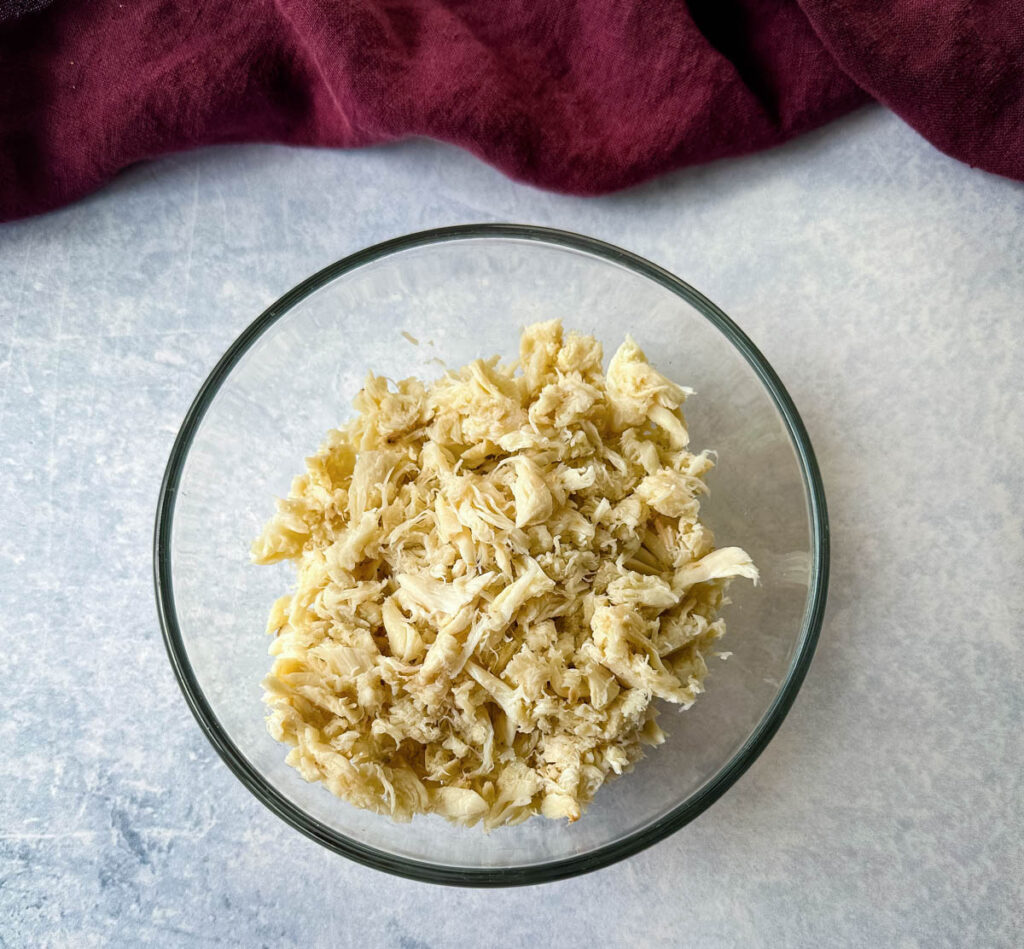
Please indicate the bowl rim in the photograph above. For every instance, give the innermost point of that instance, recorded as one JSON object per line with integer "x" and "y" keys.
{"x": 562, "y": 867}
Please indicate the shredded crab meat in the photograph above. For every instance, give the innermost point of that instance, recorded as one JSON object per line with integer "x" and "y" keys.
{"x": 498, "y": 574}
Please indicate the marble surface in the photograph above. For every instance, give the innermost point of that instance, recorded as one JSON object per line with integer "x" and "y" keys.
{"x": 883, "y": 280}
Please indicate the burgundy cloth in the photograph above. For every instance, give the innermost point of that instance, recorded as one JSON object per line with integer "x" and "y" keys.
{"x": 582, "y": 96}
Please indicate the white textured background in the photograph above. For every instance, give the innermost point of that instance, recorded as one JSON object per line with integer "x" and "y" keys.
{"x": 883, "y": 280}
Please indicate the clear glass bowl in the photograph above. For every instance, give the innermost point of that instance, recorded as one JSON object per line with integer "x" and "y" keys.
{"x": 465, "y": 292}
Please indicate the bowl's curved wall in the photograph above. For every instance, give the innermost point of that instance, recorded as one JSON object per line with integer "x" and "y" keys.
{"x": 463, "y": 298}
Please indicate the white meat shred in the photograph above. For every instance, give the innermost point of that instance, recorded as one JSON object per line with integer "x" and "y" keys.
{"x": 497, "y": 575}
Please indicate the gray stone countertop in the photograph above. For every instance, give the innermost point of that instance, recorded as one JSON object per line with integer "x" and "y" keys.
{"x": 884, "y": 281}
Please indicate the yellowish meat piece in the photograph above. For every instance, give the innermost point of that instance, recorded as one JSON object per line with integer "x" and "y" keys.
{"x": 498, "y": 574}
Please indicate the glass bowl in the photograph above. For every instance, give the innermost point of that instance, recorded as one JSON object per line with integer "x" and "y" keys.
{"x": 465, "y": 292}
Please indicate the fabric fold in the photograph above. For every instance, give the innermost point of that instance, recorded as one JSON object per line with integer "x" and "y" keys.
{"x": 583, "y": 96}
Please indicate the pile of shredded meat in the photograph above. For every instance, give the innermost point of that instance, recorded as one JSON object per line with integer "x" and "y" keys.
{"x": 497, "y": 575}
